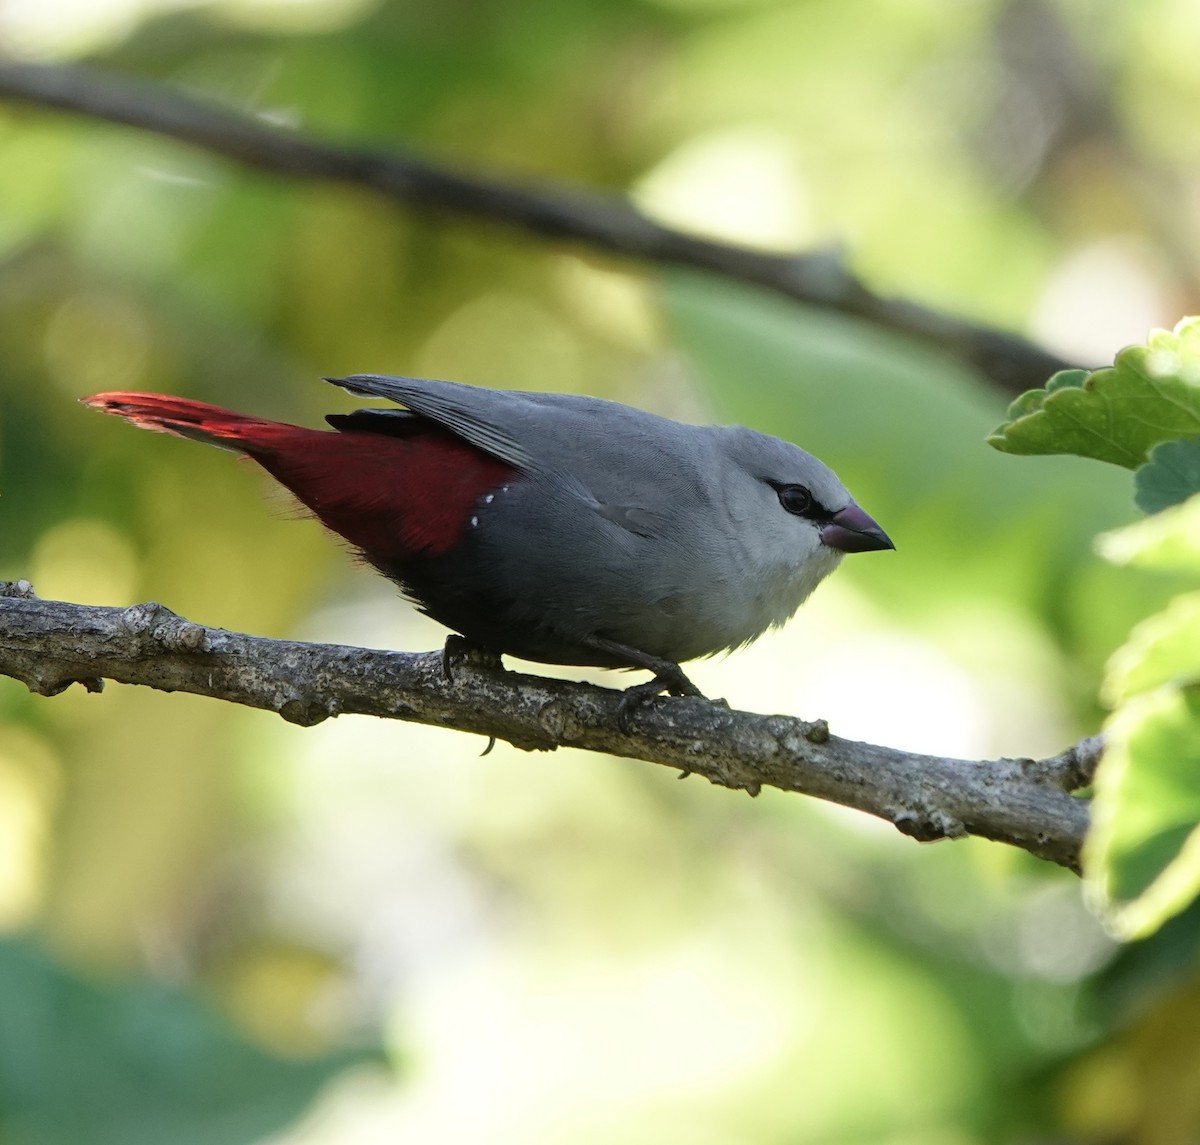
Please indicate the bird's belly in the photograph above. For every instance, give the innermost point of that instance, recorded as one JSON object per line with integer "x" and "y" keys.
{"x": 725, "y": 612}
{"x": 516, "y": 587}
{"x": 689, "y": 627}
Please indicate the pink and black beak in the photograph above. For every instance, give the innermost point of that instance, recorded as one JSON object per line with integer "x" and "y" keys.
{"x": 853, "y": 531}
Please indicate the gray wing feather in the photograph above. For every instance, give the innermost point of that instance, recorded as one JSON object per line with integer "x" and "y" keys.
{"x": 468, "y": 411}
{"x": 628, "y": 474}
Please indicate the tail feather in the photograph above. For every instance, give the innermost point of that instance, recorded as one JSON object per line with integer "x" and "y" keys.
{"x": 200, "y": 421}
{"x": 390, "y": 495}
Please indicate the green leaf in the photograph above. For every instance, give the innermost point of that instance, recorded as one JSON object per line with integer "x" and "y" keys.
{"x": 1169, "y": 541}
{"x": 89, "y": 1063}
{"x": 1142, "y": 855}
{"x": 1150, "y": 395}
{"x": 1165, "y": 649}
{"x": 1171, "y": 475}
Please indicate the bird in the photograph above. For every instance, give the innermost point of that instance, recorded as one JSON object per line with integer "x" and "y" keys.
{"x": 553, "y": 527}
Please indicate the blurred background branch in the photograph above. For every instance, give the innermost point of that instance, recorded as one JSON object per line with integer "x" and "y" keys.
{"x": 50, "y": 645}
{"x": 605, "y": 222}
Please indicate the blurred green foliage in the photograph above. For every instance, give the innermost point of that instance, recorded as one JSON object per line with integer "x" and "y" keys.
{"x": 1142, "y": 853}
{"x": 566, "y": 948}
{"x": 1171, "y": 475}
{"x": 136, "y": 1062}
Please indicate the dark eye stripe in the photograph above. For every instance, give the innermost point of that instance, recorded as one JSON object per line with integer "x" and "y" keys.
{"x": 799, "y": 501}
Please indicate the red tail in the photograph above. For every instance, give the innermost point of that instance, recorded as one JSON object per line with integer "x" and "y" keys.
{"x": 201, "y": 421}
{"x": 391, "y": 497}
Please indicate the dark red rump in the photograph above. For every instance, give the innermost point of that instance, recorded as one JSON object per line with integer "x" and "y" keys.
{"x": 401, "y": 488}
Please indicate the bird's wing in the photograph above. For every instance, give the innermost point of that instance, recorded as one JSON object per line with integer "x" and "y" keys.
{"x": 486, "y": 418}
{"x": 628, "y": 473}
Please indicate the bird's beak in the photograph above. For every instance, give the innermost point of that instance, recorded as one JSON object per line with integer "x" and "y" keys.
{"x": 852, "y": 531}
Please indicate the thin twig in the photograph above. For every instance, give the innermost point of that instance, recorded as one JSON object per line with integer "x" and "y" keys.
{"x": 48, "y": 645}
{"x": 605, "y": 222}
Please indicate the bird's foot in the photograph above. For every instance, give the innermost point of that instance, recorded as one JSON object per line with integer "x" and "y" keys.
{"x": 668, "y": 678}
{"x": 459, "y": 650}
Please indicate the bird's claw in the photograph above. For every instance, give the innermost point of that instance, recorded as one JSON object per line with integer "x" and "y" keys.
{"x": 674, "y": 682}
{"x": 459, "y": 650}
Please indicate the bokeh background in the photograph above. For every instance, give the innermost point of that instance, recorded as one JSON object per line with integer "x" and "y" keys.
{"x": 218, "y": 928}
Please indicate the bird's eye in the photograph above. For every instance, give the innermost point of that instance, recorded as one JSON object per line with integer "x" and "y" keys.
{"x": 795, "y": 499}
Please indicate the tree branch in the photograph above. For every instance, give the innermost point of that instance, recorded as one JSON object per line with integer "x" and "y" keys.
{"x": 48, "y": 645}
{"x": 605, "y": 222}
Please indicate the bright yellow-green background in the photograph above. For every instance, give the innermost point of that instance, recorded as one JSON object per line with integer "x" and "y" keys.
{"x": 561, "y": 948}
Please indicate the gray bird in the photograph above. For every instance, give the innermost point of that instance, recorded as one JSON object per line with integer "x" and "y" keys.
{"x": 555, "y": 527}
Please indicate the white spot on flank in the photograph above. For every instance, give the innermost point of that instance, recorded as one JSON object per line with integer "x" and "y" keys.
{"x": 489, "y": 498}
{"x": 474, "y": 522}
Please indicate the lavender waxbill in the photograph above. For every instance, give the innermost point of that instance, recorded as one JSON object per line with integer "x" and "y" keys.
{"x": 555, "y": 527}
